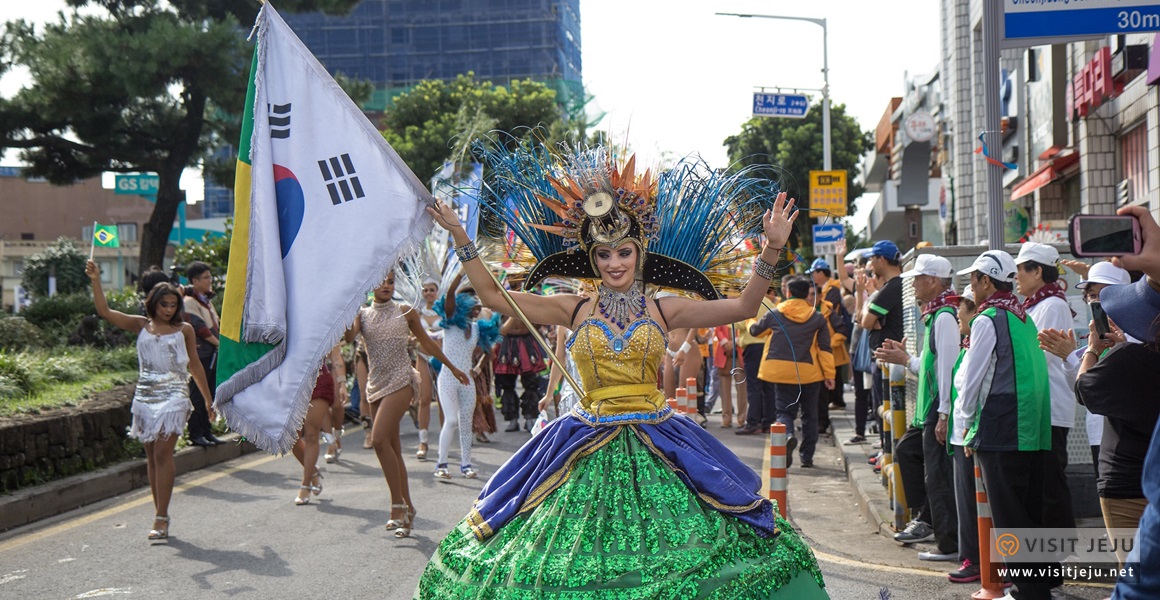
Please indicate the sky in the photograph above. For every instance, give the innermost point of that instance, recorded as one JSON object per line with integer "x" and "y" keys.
{"x": 672, "y": 79}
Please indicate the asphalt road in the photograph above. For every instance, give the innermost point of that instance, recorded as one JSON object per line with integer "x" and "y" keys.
{"x": 237, "y": 533}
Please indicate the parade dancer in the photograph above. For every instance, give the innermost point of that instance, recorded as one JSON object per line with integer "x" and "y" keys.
{"x": 386, "y": 327}
{"x": 461, "y": 336}
{"x": 622, "y": 497}
{"x": 161, "y": 404}
{"x": 329, "y": 390}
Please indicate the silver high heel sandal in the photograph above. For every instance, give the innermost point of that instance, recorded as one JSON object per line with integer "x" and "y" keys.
{"x": 394, "y": 524}
{"x": 404, "y": 530}
{"x": 303, "y": 500}
{"x": 160, "y": 534}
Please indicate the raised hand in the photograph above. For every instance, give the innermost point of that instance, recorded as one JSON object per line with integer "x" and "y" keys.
{"x": 1078, "y": 267}
{"x": 778, "y": 221}
{"x": 1148, "y": 260}
{"x": 92, "y": 270}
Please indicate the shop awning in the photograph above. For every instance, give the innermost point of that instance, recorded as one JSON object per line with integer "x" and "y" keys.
{"x": 1044, "y": 175}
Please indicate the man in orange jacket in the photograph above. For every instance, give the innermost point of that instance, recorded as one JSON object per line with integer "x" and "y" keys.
{"x": 798, "y": 361}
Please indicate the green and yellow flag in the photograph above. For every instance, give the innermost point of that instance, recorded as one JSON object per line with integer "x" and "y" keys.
{"x": 106, "y": 236}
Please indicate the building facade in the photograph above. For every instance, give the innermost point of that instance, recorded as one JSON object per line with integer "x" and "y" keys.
{"x": 395, "y": 44}
{"x": 398, "y": 43}
{"x": 1080, "y": 126}
{"x": 37, "y": 213}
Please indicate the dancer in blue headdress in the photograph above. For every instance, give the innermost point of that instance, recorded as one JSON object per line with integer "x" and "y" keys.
{"x": 622, "y": 498}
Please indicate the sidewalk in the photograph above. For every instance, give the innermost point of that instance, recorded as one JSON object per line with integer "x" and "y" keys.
{"x": 55, "y": 497}
{"x": 868, "y": 486}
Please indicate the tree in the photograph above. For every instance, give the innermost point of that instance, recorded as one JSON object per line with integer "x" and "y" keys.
{"x": 213, "y": 250}
{"x": 61, "y": 259}
{"x": 427, "y": 124}
{"x": 794, "y": 147}
{"x": 151, "y": 85}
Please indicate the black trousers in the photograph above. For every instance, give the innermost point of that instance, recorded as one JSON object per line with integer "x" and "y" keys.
{"x": 1015, "y": 485}
{"x": 940, "y": 490}
{"x": 528, "y": 402}
{"x": 879, "y": 392}
{"x": 828, "y": 397}
{"x": 908, "y": 458}
{"x": 756, "y": 390}
{"x": 861, "y": 403}
{"x": 199, "y": 419}
{"x": 786, "y": 399}
{"x": 966, "y": 505}
{"x": 1056, "y": 494}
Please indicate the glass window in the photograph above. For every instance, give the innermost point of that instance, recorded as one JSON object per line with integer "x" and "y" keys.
{"x": 127, "y": 232}
{"x": 1134, "y": 162}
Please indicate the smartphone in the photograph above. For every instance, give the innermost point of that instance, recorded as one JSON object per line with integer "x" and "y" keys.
{"x": 1104, "y": 235}
{"x": 1100, "y": 318}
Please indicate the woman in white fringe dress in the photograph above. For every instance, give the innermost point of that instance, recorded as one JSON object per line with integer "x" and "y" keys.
{"x": 161, "y": 404}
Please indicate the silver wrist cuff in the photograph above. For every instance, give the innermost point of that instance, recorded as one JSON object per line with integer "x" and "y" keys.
{"x": 763, "y": 269}
{"x": 467, "y": 252}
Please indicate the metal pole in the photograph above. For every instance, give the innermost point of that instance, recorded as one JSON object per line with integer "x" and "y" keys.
{"x": 825, "y": 75}
{"x": 992, "y": 13}
{"x": 826, "y": 164}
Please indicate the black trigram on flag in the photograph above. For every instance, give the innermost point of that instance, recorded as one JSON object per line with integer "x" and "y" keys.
{"x": 341, "y": 181}
{"x": 279, "y": 121}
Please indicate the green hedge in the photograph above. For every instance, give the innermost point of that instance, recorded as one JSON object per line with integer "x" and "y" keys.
{"x": 71, "y": 319}
{"x": 24, "y": 374}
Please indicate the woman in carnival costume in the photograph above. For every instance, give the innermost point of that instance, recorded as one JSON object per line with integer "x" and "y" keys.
{"x": 623, "y": 498}
{"x": 463, "y": 333}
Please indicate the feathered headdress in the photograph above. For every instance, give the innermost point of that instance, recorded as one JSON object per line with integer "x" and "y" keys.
{"x": 432, "y": 263}
{"x": 562, "y": 204}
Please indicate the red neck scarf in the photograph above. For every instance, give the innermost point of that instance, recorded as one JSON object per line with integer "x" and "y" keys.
{"x": 1006, "y": 301}
{"x": 939, "y": 302}
{"x": 1049, "y": 290}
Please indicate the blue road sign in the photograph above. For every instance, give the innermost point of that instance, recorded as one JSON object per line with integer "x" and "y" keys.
{"x": 832, "y": 232}
{"x": 1030, "y": 20}
{"x": 793, "y": 106}
{"x": 826, "y": 238}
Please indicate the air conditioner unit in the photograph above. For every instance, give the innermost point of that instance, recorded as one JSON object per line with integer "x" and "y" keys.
{"x": 1124, "y": 192}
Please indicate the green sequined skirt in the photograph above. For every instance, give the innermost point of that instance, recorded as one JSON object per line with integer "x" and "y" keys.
{"x": 622, "y": 526}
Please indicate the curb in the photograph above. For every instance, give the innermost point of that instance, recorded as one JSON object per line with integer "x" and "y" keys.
{"x": 40, "y": 502}
{"x": 868, "y": 489}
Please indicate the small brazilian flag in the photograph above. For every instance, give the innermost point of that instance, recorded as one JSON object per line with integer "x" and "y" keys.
{"x": 106, "y": 235}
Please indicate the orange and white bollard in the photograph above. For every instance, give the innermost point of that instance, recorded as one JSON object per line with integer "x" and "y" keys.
{"x": 682, "y": 401}
{"x": 778, "y": 482}
{"x": 691, "y": 390}
{"x": 992, "y": 584}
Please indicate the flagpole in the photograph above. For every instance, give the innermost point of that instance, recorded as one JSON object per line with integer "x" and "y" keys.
{"x": 532, "y": 328}
{"x": 93, "y": 241}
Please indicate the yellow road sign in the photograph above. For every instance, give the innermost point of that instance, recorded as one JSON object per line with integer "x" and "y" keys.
{"x": 828, "y": 194}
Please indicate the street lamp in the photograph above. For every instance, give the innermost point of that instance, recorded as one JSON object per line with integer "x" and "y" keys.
{"x": 825, "y": 76}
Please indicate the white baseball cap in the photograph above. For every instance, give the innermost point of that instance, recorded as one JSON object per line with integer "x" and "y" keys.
{"x": 1105, "y": 272}
{"x": 968, "y": 293}
{"x": 930, "y": 264}
{"x": 1040, "y": 253}
{"x": 995, "y": 263}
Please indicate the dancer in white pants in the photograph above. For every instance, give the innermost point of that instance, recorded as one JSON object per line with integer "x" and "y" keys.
{"x": 457, "y": 400}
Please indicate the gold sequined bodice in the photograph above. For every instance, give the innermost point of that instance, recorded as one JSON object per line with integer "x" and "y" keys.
{"x": 606, "y": 359}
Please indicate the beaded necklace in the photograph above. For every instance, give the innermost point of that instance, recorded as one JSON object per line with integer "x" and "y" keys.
{"x": 621, "y": 308}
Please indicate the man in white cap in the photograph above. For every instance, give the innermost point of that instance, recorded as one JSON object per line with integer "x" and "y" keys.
{"x": 929, "y": 468}
{"x": 1045, "y": 299}
{"x": 1004, "y": 404}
